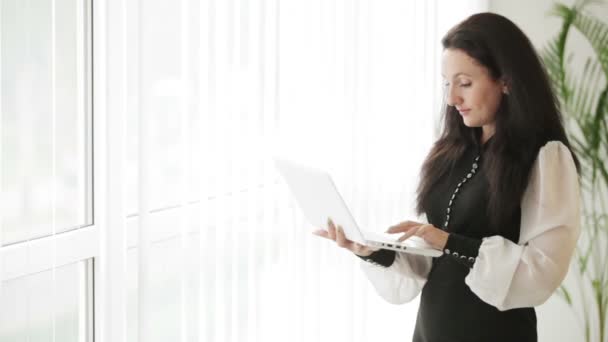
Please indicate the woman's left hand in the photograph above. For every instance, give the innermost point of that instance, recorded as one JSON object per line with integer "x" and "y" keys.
{"x": 432, "y": 235}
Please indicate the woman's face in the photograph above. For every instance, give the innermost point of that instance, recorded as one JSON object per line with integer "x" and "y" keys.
{"x": 471, "y": 89}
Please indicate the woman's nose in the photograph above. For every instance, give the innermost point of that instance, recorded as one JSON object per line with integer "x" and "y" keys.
{"x": 452, "y": 97}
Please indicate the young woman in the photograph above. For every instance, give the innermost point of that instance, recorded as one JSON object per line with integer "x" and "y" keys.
{"x": 500, "y": 192}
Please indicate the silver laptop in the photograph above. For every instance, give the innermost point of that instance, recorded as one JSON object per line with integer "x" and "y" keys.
{"x": 319, "y": 199}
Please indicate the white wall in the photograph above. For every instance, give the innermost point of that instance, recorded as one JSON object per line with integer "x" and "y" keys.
{"x": 556, "y": 321}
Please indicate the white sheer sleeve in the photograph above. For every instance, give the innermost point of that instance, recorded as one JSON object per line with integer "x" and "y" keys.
{"x": 403, "y": 280}
{"x": 508, "y": 275}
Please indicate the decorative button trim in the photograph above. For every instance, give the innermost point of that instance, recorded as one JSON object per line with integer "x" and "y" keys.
{"x": 455, "y": 254}
{"x": 471, "y": 259}
{"x": 447, "y": 251}
{"x": 469, "y": 175}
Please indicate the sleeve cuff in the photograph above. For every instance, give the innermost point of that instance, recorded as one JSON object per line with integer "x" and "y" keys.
{"x": 382, "y": 257}
{"x": 462, "y": 248}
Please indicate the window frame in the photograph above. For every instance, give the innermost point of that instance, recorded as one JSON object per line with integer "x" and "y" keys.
{"x": 79, "y": 244}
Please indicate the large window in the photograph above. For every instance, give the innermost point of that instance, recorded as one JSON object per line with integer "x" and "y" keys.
{"x": 46, "y": 118}
{"x": 47, "y": 235}
{"x": 50, "y": 303}
{"x": 190, "y": 234}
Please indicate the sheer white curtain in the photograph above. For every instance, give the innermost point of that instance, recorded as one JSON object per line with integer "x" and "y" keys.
{"x": 202, "y": 240}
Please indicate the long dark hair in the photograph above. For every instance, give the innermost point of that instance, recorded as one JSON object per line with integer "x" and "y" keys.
{"x": 527, "y": 118}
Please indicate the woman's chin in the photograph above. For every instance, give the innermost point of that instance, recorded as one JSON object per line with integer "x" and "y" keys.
{"x": 469, "y": 124}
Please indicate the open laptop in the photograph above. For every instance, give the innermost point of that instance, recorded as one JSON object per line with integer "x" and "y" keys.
{"x": 319, "y": 199}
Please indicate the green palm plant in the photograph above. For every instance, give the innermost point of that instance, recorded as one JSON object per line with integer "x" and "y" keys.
{"x": 583, "y": 98}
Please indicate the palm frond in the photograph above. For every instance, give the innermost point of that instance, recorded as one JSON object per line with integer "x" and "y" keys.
{"x": 585, "y": 102}
{"x": 554, "y": 52}
{"x": 596, "y": 32}
{"x": 583, "y": 97}
{"x": 584, "y": 91}
{"x": 563, "y": 292}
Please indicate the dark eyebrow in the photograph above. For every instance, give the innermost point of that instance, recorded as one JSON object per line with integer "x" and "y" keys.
{"x": 458, "y": 74}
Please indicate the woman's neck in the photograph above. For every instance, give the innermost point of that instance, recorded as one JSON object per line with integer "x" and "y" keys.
{"x": 486, "y": 133}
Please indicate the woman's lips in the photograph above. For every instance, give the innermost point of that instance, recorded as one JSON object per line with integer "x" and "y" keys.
{"x": 463, "y": 111}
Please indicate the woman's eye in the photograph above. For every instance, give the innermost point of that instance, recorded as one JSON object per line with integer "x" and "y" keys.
{"x": 465, "y": 84}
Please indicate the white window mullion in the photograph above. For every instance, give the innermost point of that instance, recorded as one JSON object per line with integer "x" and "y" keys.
{"x": 184, "y": 222}
{"x": 254, "y": 226}
{"x": 102, "y": 312}
{"x": 114, "y": 258}
{"x": 271, "y": 198}
{"x": 327, "y": 52}
{"x": 221, "y": 184}
{"x": 355, "y": 100}
{"x": 35, "y": 256}
{"x": 246, "y": 112}
{"x": 54, "y": 165}
{"x": 144, "y": 253}
{"x": 2, "y": 208}
{"x": 82, "y": 89}
{"x": 351, "y": 115}
{"x": 267, "y": 55}
{"x": 364, "y": 30}
{"x": 233, "y": 133}
{"x": 205, "y": 111}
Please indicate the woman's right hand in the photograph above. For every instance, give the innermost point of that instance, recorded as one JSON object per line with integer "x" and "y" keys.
{"x": 337, "y": 234}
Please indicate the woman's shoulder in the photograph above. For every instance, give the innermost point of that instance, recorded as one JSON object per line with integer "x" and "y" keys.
{"x": 554, "y": 165}
{"x": 554, "y": 144}
{"x": 554, "y": 152}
